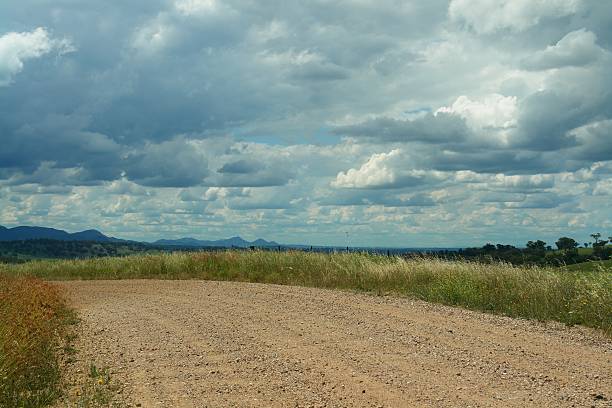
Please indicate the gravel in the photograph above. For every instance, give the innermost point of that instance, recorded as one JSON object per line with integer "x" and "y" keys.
{"x": 222, "y": 344}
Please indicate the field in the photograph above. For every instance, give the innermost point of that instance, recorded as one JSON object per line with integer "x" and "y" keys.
{"x": 564, "y": 295}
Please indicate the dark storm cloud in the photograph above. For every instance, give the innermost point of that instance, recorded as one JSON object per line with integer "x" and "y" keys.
{"x": 440, "y": 128}
{"x": 241, "y": 167}
{"x": 594, "y": 142}
{"x": 319, "y": 72}
{"x": 172, "y": 163}
{"x": 250, "y": 173}
{"x": 494, "y": 161}
{"x": 541, "y": 200}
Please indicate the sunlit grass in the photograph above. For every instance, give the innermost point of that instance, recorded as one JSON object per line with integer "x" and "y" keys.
{"x": 530, "y": 292}
{"x": 33, "y": 316}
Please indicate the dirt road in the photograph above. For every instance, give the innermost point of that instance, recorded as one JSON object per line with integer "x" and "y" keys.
{"x": 218, "y": 344}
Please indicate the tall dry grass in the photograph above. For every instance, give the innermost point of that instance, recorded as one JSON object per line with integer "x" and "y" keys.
{"x": 32, "y": 319}
{"x": 530, "y": 292}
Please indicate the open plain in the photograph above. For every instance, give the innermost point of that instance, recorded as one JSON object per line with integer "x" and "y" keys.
{"x": 210, "y": 344}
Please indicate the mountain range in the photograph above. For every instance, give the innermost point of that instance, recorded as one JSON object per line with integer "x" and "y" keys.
{"x": 229, "y": 242}
{"x": 27, "y": 232}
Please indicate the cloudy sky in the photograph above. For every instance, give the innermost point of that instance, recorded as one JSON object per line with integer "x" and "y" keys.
{"x": 404, "y": 123}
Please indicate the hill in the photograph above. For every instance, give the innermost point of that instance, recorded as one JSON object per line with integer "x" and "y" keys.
{"x": 233, "y": 242}
{"x": 23, "y": 233}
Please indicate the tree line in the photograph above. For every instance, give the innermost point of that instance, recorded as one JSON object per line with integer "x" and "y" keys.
{"x": 568, "y": 251}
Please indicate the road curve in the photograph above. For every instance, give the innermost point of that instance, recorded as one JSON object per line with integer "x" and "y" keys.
{"x": 218, "y": 344}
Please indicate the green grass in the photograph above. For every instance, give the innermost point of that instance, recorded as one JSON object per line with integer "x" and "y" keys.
{"x": 530, "y": 292}
{"x": 591, "y": 266}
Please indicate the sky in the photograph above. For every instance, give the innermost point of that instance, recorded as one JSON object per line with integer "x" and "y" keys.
{"x": 328, "y": 122}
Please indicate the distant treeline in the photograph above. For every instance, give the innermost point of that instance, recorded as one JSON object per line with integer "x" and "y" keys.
{"x": 537, "y": 253}
{"x": 31, "y": 249}
{"x": 22, "y": 251}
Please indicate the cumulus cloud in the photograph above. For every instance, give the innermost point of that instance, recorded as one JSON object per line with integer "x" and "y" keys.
{"x": 385, "y": 170}
{"x": 377, "y": 172}
{"x": 491, "y": 117}
{"x": 515, "y": 183}
{"x": 18, "y": 47}
{"x": 577, "y": 48}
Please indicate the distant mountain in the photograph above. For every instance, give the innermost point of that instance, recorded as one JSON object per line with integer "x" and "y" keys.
{"x": 227, "y": 243}
{"x": 25, "y": 233}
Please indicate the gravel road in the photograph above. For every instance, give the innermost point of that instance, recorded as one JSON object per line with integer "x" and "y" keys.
{"x": 223, "y": 344}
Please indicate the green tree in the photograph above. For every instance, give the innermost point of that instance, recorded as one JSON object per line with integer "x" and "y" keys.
{"x": 565, "y": 244}
{"x": 536, "y": 245}
{"x": 596, "y": 237}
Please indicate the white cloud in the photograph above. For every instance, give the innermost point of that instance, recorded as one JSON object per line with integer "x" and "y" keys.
{"x": 16, "y": 48}
{"x": 603, "y": 187}
{"x": 376, "y": 172}
{"x": 196, "y": 7}
{"x": 522, "y": 183}
{"x": 386, "y": 170}
{"x": 493, "y": 111}
{"x": 503, "y": 182}
{"x": 486, "y": 16}
{"x": 126, "y": 187}
{"x": 492, "y": 116}
{"x": 577, "y": 48}
{"x": 153, "y": 37}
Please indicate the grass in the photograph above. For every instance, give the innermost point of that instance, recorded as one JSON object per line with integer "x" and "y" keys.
{"x": 33, "y": 319}
{"x": 591, "y": 266}
{"x": 529, "y": 292}
{"x": 99, "y": 391}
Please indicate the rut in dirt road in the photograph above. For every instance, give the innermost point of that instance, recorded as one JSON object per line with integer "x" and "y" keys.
{"x": 217, "y": 344}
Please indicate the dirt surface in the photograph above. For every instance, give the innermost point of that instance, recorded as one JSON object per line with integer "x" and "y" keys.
{"x": 221, "y": 344}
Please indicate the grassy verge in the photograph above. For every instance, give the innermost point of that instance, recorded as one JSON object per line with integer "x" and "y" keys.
{"x": 536, "y": 293}
{"x": 33, "y": 318}
{"x": 591, "y": 266}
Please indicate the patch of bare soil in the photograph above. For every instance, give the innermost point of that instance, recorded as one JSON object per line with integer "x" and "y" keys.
{"x": 222, "y": 344}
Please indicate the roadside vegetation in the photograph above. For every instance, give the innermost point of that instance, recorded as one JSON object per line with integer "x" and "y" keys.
{"x": 33, "y": 322}
{"x": 533, "y": 292}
